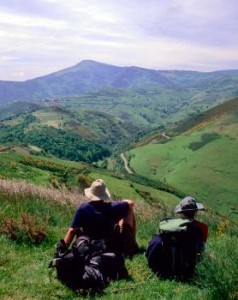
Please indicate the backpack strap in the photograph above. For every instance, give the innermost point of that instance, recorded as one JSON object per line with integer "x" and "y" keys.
{"x": 86, "y": 248}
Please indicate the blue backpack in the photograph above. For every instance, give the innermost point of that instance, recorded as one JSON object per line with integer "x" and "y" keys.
{"x": 174, "y": 251}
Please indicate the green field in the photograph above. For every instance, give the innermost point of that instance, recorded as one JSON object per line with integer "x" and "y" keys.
{"x": 202, "y": 162}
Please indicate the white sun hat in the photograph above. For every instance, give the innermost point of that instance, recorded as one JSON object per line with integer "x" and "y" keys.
{"x": 97, "y": 191}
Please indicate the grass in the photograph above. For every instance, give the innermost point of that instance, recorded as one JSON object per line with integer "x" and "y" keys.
{"x": 40, "y": 170}
{"x": 24, "y": 265}
{"x": 11, "y": 167}
{"x": 207, "y": 171}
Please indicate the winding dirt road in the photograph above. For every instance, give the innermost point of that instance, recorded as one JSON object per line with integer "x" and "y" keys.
{"x": 165, "y": 135}
{"x": 129, "y": 171}
{"x": 123, "y": 157}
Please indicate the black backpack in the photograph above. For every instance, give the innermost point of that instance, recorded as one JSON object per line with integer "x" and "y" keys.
{"x": 174, "y": 251}
{"x": 88, "y": 265}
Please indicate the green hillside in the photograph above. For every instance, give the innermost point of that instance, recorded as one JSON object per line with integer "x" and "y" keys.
{"x": 78, "y": 136}
{"x": 17, "y": 163}
{"x": 153, "y": 106}
{"x": 200, "y": 159}
{"x": 35, "y": 214}
{"x": 91, "y": 125}
{"x": 12, "y": 109}
{"x": 34, "y": 218}
{"x": 141, "y": 97}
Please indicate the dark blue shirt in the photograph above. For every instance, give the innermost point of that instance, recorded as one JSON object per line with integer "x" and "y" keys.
{"x": 97, "y": 218}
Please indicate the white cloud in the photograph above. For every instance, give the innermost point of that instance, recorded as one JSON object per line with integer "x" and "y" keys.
{"x": 49, "y": 35}
{"x": 26, "y": 21}
{"x": 7, "y": 58}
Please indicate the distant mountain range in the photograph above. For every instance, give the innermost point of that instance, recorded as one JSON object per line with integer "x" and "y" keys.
{"x": 90, "y": 76}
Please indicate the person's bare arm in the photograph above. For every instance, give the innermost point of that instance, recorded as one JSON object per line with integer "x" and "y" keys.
{"x": 130, "y": 217}
{"x": 130, "y": 202}
{"x": 69, "y": 235}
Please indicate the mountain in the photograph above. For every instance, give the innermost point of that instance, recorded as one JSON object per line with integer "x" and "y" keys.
{"x": 84, "y": 77}
{"x": 90, "y": 76}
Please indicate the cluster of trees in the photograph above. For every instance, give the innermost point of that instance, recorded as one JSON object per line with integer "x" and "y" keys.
{"x": 60, "y": 143}
{"x": 205, "y": 139}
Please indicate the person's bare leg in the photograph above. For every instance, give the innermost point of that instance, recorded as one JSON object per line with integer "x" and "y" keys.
{"x": 129, "y": 220}
{"x": 128, "y": 231}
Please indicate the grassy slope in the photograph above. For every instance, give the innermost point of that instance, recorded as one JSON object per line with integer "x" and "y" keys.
{"x": 23, "y": 266}
{"x": 48, "y": 172}
{"x": 11, "y": 167}
{"x": 150, "y": 106}
{"x": 208, "y": 172}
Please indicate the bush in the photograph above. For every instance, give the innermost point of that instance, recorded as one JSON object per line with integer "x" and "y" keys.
{"x": 27, "y": 229}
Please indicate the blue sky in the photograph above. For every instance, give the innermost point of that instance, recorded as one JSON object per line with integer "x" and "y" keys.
{"x": 39, "y": 37}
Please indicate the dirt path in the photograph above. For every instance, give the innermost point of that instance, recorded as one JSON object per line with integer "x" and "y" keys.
{"x": 122, "y": 155}
{"x": 166, "y": 136}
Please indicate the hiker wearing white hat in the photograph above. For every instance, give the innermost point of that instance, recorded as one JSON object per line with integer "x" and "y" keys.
{"x": 100, "y": 219}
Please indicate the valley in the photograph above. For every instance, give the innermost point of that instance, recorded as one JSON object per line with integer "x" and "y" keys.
{"x": 175, "y": 127}
{"x": 152, "y": 136}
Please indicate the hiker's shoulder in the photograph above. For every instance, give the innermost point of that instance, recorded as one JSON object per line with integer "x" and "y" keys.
{"x": 200, "y": 225}
{"x": 85, "y": 206}
{"x": 120, "y": 204}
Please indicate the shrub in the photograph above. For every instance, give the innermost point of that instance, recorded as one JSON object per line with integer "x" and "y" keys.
{"x": 84, "y": 181}
{"x": 28, "y": 228}
{"x": 218, "y": 271}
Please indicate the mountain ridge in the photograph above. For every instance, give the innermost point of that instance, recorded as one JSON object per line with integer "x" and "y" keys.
{"x": 88, "y": 76}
